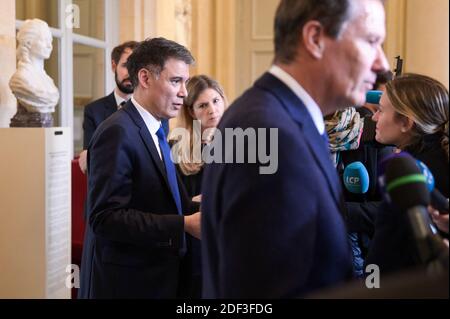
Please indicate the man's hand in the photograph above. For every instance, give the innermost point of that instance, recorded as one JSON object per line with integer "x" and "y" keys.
{"x": 82, "y": 161}
{"x": 192, "y": 225}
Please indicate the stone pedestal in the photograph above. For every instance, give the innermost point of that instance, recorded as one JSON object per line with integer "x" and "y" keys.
{"x": 23, "y": 118}
{"x": 35, "y": 213}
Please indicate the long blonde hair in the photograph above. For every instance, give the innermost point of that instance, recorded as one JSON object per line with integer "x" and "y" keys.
{"x": 425, "y": 101}
{"x": 185, "y": 147}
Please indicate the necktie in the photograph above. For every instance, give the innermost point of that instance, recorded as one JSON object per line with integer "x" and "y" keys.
{"x": 170, "y": 168}
{"x": 165, "y": 126}
{"x": 121, "y": 105}
{"x": 172, "y": 178}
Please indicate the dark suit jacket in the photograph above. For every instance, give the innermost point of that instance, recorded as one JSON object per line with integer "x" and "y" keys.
{"x": 134, "y": 234}
{"x": 279, "y": 235}
{"x": 95, "y": 113}
{"x": 98, "y": 111}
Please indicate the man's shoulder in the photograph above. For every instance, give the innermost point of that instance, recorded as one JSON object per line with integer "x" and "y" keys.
{"x": 268, "y": 90}
{"x": 119, "y": 121}
{"x": 256, "y": 106}
{"x": 106, "y": 101}
{"x": 120, "y": 117}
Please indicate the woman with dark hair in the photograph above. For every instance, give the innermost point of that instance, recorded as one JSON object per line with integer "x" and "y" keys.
{"x": 413, "y": 115}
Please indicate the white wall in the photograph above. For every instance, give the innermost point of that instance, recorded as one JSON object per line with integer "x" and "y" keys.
{"x": 427, "y": 38}
{"x": 418, "y": 31}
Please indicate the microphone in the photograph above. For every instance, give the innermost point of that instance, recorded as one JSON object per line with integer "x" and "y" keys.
{"x": 382, "y": 164}
{"x": 429, "y": 178}
{"x": 407, "y": 190}
{"x": 438, "y": 201}
{"x": 356, "y": 178}
{"x": 373, "y": 96}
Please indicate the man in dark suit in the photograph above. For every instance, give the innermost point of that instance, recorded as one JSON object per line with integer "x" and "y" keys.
{"x": 138, "y": 215}
{"x": 98, "y": 110}
{"x": 282, "y": 235}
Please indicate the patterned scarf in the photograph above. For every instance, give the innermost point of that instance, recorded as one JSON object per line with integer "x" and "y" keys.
{"x": 344, "y": 131}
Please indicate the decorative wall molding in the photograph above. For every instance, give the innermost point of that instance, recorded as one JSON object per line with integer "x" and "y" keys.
{"x": 183, "y": 22}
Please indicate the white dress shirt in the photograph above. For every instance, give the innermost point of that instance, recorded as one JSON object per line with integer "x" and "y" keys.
{"x": 152, "y": 124}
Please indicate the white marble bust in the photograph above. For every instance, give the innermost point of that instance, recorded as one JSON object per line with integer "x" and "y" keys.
{"x": 31, "y": 85}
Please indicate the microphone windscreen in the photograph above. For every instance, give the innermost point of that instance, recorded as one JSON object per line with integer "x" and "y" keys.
{"x": 373, "y": 96}
{"x": 405, "y": 183}
{"x": 429, "y": 178}
{"x": 437, "y": 200}
{"x": 386, "y": 159}
{"x": 356, "y": 178}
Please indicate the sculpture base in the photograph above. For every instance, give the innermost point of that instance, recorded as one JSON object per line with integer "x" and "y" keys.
{"x": 23, "y": 118}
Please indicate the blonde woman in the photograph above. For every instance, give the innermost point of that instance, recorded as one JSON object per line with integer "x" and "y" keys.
{"x": 413, "y": 116}
{"x": 202, "y": 110}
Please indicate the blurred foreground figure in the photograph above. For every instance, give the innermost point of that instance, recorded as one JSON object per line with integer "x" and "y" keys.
{"x": 272, "y": 226}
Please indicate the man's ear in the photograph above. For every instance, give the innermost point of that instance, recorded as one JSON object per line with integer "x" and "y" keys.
{"x": 113, "y": 66}
{"x": 313, "y": 38}
{"x": 144, "y": 78}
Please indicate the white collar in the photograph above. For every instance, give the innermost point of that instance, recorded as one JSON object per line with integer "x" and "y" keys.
{"x": 312, "y": 107}
{"x": 151, "y": 122}
{"x": 118, "y": 98}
